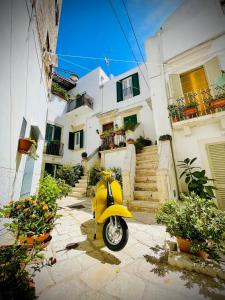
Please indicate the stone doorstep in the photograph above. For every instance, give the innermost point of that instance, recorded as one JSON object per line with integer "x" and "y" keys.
{"x": 145, "y": 186}
{"x": 191, "y": 262}
{"x": 146, "y": 172}
{"x": 145, "y": 179}
{"x": 149, "y": 165}
{"x": 146, "y": 195}
{"x": 145, "y": 206}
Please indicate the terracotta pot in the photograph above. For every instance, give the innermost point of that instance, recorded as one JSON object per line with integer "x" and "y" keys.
{"x": 218, "y": 103}
{"x": 190, "y": 111}
{"x": 30, "y": 240}
{"x": 24, "y": 145}
{"x": 184, "y": 246}
{"x": 130, "y": 142}
{"x": 120, "y": 132}
{"x": 175, "y": 119}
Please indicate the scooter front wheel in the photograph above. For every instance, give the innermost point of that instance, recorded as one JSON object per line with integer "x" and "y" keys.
{"x": 115, "y": 233}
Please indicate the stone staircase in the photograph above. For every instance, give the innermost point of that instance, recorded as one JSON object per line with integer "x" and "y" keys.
{"x": 146, "y": 195}
{"x": 80, "y": 190}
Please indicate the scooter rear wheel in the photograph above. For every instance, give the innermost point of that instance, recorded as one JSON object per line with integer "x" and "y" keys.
{"x": 115, "y": 235}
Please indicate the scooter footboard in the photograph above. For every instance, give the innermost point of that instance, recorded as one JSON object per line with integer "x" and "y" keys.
{"x": 114, "y": 210}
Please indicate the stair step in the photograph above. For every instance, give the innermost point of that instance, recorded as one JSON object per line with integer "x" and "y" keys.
{"x": 147, "y": 158}
{"x": 141, "y": 172}
{"x": 79, "y": 189}
{"x": 146, "y": 195}
{"x": 146, "y": 167}
{"x": 81, "y": 185}
{"x": 148, "y": 164}
{"x": 146, "y": 179}
{"x": 145, "y": 186}
{"x": 83, "y": 180}
{"x": 137, "y": 205}
{"x": 78, "y": 194}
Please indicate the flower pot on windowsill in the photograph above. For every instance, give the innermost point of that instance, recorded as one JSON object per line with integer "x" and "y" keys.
{"x": 184, "y": 246}
{"x": 175, "y": 119}
{"x": 24, "y": 145}
{"x": 190, "y": 111}
{"x": 218, "y": 103}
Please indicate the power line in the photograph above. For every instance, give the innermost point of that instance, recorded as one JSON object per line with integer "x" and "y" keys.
{"x": 77, "y": 65}
{"x": 132, "y": 27}
{"x": 124, "y": 33}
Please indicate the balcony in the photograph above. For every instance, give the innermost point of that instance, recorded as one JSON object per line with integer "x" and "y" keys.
{"x": 53, "y": 148}
{"x": 197, "y": 104}
{"x": 84, "y": 102}
{"x": 112, "y": 140}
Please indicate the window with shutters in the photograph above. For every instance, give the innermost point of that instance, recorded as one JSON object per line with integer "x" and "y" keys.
{"x": 128, "y": 87}
{"x": 76, "y": 140}
{"x": 53, "y": 133}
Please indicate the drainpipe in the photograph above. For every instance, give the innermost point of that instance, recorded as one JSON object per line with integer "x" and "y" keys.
{"x": 167, "y": 97}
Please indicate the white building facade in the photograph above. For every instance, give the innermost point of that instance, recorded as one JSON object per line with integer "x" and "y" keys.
{"x": 28, "y": 34}
{"x": 186, "y": 60}
{"x": 107, "y": 104}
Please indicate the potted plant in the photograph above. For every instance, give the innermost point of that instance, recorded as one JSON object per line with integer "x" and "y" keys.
{"x": 173, "y": 112}
{"x": 138, "y": 146}
{"x": 25, "y": 145}
{"x": 190, "y": 108}
{"x": 130, "y": 141}
{"x": 122, "y": 144}
{"x": 165, "y": 137}
{"x": 196, "y": 223}
{"x": 84, "y": 155}
{"x": 144, "y": 141}
{"x": 218, "y": 101}
{"x": 196, "y": 179}
{"x": 119, "y": 130}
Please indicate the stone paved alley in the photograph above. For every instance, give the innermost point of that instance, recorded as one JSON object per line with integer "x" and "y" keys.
{"x": 88, "y": 270}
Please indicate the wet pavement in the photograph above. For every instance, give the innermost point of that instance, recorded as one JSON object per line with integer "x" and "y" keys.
{"x": 86, "y": 269}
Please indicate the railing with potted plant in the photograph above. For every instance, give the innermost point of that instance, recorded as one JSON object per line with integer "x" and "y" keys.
{"x": 198, "y": 103}
{"x": 81, "y": 100}
{"x": 53, "y": 148}
{"x": 113, "y": 139}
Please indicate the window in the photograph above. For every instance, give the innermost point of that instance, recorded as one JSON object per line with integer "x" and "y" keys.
{"x": 130, "y": 121}
{"x": 76, "y": 140}
{"x": 56, "y": 13}
{"x": 51, "y": 169}
{"x": 222, "y": 3}
{"x": 53, "y": 133}
{"x": 128, "y": 87}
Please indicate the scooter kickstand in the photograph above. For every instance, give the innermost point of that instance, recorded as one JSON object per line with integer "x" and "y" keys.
{"x": 95, "y": 234}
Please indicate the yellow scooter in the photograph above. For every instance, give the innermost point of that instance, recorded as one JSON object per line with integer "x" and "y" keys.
{"x": 108, "y": 209}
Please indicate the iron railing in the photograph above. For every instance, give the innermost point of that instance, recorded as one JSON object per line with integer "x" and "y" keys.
{"x": 113, "y": 141}
{"x": 53, "y": 148}
{"x": 82, "y": 100}
{"x": 198, "y": 103}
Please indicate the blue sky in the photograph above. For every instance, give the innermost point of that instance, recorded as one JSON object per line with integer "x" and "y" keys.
{"x": 89, "y": 28}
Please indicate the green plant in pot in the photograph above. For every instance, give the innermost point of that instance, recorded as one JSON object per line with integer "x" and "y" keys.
{"x": 138, "y": 146}
{"x": 190, "y": 108}
{"x": 196, "y": 223}
{"x": 196, "y": 179}
{"x": 173, "y": 112}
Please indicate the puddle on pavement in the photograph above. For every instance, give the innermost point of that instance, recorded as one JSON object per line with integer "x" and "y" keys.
{"x": 208, "y": 287}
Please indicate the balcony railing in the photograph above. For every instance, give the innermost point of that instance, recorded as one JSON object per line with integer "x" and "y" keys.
{"x": 82, "y": 100}
{"x": 53, "y": 148}
{"x": 112, "y": 141}
{"x": 198, "y": 103}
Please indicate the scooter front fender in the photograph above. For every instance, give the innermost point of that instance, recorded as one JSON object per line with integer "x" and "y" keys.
{"x": 114, "y": 210}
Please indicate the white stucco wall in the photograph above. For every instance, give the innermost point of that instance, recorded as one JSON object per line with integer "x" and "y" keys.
{"x": 23, "y": 95}
{"x": 182, "y": 45}
{"x": 193, "y": 23}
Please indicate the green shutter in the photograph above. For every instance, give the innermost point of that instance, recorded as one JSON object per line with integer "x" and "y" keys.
{"x": 135, "y": 83}
{"x": 71, "y": 140}
{"x": 130, "y": 120}
{"x": 81, "y": 138}
{"x": 57, "y": 133}
{"x": 48, "y": 133}
{"x": 119, "y": 91}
